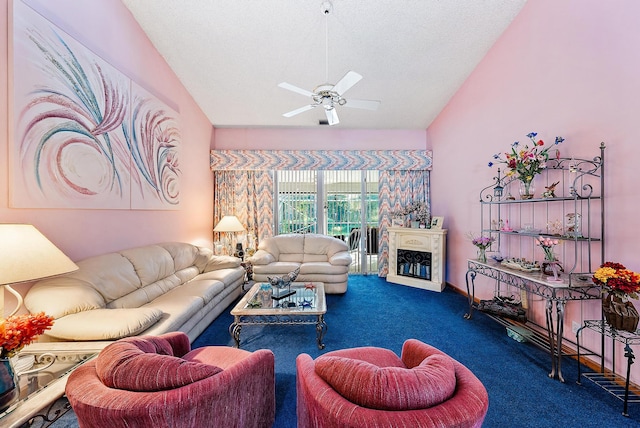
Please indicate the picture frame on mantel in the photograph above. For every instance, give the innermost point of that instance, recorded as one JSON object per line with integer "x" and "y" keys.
{"x": 436, "y": 223}
{"x": 397, "y": 222}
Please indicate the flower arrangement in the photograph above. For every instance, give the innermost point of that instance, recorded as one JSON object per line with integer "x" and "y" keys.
{"x": 418, "y": 209}
{"x": 547, "y": 246}
{"x": 17, "y": 331}
{"x": 618, "y": 280}
{"x": 525, "y": 162}
{"x": 482, "y": 242}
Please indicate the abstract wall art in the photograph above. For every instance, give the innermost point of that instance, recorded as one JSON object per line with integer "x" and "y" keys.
{"x": 84, "y": 134}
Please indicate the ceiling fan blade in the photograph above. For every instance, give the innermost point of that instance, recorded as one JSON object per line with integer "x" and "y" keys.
{"x": 299, "y": 110}
{"x": 293, "y": 88}
{"x": 332, "y": 116}
{"x": 364, "y": 104}
{"x": 349, "y": 79}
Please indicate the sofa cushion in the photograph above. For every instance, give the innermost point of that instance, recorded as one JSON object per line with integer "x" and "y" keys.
{"x": 322, "y": 244}
{"x": 62, "y": 296}
{"x": 390, "y": 388}
{"x": 226, "y": 276}
{"x": 276, "y": 268}
{"x": 320, "y": 268}
{"x": 290, "y": 243}
{"x": 151, "y": 263}
{"x": 144, "y": 365}
{"x": 183, "y": 254}
{"x": 104, "y": 324}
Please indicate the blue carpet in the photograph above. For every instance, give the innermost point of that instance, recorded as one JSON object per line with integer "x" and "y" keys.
{"x": 376, "y": 313}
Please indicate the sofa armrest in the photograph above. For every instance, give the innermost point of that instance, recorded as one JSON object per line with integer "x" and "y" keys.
{"x": 221, "y": 262}
{"x": 261, "y": 257}
{"x": 341, "y": 258}
{"x": 179, "y": 342}
{"x": 414, "y": 352}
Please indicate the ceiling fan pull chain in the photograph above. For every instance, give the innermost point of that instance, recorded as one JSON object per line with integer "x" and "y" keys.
{"x": 326, "y": 44}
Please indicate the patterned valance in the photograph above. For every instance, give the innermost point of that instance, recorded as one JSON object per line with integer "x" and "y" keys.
{"x": 381, "y": 160}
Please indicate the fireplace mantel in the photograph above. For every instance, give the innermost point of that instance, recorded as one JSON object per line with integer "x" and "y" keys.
{"x": 416, "y": 257}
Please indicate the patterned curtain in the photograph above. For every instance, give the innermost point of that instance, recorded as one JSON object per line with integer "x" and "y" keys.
{"x": 247, "y": 195}
{"x": 397, "y": 189}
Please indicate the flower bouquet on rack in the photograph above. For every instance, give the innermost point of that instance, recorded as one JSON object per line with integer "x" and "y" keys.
{"x": 620, "y": 284}
{"x": 482, "y": 243}
{"x": 16, "y": 331}
{"x": 526, "y": 162}
{"x": 551, "y": 265}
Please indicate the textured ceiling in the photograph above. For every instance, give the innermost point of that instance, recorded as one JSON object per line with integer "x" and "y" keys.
{"x": 413, "y": 54}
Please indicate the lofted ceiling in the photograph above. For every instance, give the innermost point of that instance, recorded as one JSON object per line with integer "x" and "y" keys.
{"x": 413, "y": 54}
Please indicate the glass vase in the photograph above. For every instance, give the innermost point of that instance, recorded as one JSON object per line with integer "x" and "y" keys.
{"x": 482, "y": 254}
{"x": 9, "y": 386}
{"x": 527, "y": 188}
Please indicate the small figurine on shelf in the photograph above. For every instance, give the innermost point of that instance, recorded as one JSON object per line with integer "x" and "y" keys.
{"x": 554, "y": 227}
{"x": 573, "y": 225}
{"x": 506, "y": 227}
{"x": 550, "y": 191}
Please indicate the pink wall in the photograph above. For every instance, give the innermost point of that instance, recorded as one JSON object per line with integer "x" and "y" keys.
{"x": 319, "y": 139}
{"x": 107, "y": 27}
{"x": 569, "y": 68}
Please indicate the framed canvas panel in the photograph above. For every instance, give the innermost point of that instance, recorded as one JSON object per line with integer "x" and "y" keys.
{"x": 72, "y": 116}
{"x": 155, "y": 139}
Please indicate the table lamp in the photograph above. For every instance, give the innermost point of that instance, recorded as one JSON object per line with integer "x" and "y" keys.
{"x": 229, "y": 224}
{"x": 27, "y": 255}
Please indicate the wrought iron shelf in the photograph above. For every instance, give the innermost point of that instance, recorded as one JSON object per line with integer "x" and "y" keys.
{"x": 546, "y": 235}
{"x": 578, "y": 286}
{"x": 579, "y": 197}
{"x": 526, "y": 201}
{"x": 616, "y": 385}
{"x": 625, "y": 337}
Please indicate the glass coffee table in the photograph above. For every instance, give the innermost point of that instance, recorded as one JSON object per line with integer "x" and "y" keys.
{"x": 306, "y": 305}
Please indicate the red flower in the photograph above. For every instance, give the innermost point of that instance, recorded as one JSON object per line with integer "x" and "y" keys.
{"x": 20, "y": 330}
{"x": 618, "y": 280}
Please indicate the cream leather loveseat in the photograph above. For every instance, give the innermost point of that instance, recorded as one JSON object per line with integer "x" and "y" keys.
{"x": 146, "y": 290}
{"x": 321, "y": 258}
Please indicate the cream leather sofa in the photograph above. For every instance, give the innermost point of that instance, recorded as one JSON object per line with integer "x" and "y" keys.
{"x": 321, "y": 258}
{"x": 146, "y": 290}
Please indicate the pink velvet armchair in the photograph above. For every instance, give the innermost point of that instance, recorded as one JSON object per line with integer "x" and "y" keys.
{"x": 373, "y": 387}
{"x": 159, "y": 381}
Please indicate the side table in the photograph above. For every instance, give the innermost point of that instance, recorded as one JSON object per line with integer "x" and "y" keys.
{"x": 40, "y": 390}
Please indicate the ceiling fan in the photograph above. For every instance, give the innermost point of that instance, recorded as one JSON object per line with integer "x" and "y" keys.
{"x": 328, "y": 95}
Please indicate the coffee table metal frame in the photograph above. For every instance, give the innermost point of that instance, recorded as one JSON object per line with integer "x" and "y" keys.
{"x": 305, "y": 311}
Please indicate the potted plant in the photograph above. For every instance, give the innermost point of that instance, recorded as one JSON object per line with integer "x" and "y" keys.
{"x": 620, "y": 284}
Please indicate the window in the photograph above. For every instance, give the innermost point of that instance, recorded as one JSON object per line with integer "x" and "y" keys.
{"x": 336, "y": 203}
